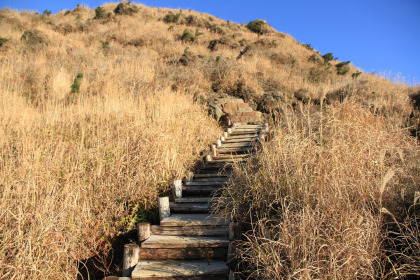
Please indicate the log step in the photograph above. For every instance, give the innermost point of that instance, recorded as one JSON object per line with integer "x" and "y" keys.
{"x": 190, "y": 207}
{"x": 209, "y": 183}
{"x": 177, "y": 220}
{"x": 200, "y": 190}
{"x": 190, "y": 231}
{"x": 238, "y": 140}
{"x": 174, "y": 242}
{"x": 172, "y": 269}
{"x": 251, "y": 135}
{"x": 211, "y": 179}
{"x": 234, "y": 150}
{"x": 195, "y": 199}
{"x": 211, "y": 175}
{"x": 230, "y": 157}
{"x": 183, "y": 254}
{"x": 234, "y": 145}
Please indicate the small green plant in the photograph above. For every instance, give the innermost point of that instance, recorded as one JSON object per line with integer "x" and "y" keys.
{"x": 315, "y": 58}
{"x": 46, "y": 13}
{"x": 218, "y": 58}
{"x": 105, "y": 46}
{"x": 66, "y": 13}
{"x": 99, "y": 13}
{"x": 356, "y": 75}
{"x": 187, "y": 36}
{"x": 3, "y": 40}
{"x": 328, "y": 57}
{"x": 171, "y": 17}
{"x": 343, "y": 67}
{"x": 75, "y": 87}
{"x": 308, "y": 46}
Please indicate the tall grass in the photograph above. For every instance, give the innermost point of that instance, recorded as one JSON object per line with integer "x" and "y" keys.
{"x": 314, "y": 203}
{"x": 78, "y": 167}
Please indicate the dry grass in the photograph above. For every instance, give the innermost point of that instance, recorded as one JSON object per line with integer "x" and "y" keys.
{"x": 77, "y": 169}
{"x": 313, "y": 201}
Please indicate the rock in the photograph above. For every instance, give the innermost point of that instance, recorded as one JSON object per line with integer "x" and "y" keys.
{"x": 216, "y": 111}
{"x": 34, "y": 37}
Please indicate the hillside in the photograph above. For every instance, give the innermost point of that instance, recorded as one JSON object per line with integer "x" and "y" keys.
{"x": 101, "y": 109}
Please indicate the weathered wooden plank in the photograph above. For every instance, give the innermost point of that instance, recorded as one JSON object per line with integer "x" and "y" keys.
{"x": 190, "y": 207}
{"x": 209, "y": 183}
{"x": 211, "y": 179}
{"x": 194, "y": 200}
{"x": 240, "y": 135}
{"x": 173, "y": 269}
{"x": 200, "y": 189}
{"x": 211, "y": 175}
{"x": 183, "y": 254}
{"x": 173, "y": 242}
{"x": 193, "y": 220}
{"x": 190, "y": 230}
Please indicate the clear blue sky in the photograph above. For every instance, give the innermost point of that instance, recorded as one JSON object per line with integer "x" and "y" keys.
{"x": 376, "y": 35}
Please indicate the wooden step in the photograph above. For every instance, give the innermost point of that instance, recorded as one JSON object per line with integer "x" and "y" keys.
{"x": 176, "y": 220}
{"x": 211, "y": 179}
{"x": 200, "y": 190}
{"x": 190, "y": 230}
{"x": 211, "y": 175}
{"x": 195, "y": 199}
{"x": 260, "y": 126}
{"x": 236, "y": 145}
{"x": 172, "y": 269}
{"x": 173, "y": 242}
{"x": 249, "y": 135}
{"x": 209, "y": 183}
{"x": 235, "y": 150}
{"x": 190, "y": 207}
{"x": 239, "y": 140}
{"x": 229, "y": 157}
{"x": 183, "y": 254}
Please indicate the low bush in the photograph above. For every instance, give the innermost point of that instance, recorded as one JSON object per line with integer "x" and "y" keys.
{"x": 99, "y": 13}
{"x": 3, "y": 41}
{"x": 328, "y": 57}
{"x": 258, "y": 26}
{"x": 126, "y": 9}
{"x": 171, "y": 18}
{"x": 343, "y": 68}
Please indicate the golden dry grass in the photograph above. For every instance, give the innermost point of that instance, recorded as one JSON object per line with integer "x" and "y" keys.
{"x": 316, "y": 200}
{"x": 77, "y": 169}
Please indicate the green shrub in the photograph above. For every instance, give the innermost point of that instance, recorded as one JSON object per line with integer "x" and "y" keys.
{"x": 3, "y": 40}
{"x": 342, "y": 67}
{"x": 126, "y": 9}
{"x": 171, "y": 18}
{"x": 75, "y": 87}
{"x": 257, "y": 26}
{"x": 315, "y": 58}
{"x": 99, "y": 13}
{"x": 308, "y": 46}
{"x": 46, "y": 13}
{"x": 355, "y": 75}
{"x": 187, "y": 36}
{"x": 328, "y": 57}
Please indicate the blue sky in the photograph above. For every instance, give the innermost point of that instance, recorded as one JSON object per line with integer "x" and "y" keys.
{"x": 375, "y": 35}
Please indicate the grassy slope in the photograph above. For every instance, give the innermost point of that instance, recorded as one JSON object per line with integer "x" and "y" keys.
{"x": 71, "y": 161}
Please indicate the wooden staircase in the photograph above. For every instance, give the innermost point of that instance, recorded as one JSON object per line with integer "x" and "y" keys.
{"x": 191, "y": 242}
